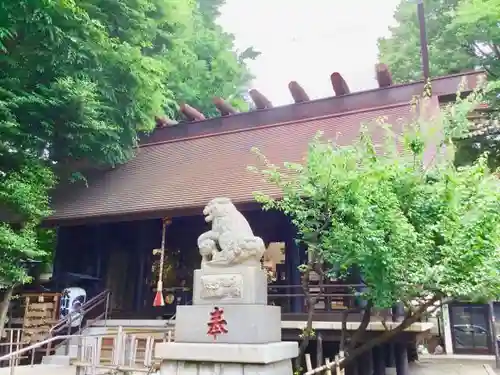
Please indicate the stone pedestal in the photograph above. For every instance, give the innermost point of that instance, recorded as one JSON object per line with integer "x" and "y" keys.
{"x": 252, "y": 341}
{"x": 248, "y": 324}
{"x": 227, "y": 359}
{"x": 241, "y": 285}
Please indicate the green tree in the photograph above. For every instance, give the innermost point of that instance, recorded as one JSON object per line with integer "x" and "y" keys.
{"x": 24, "y": 192}
{"x": 79, "y": 80}
{"x": 462, "y": 34}
{"x": 210, "y": 8}
{"x": 418, "y": 233}
{"x": 476, "y": 23}
{"x": 209, "y": 66}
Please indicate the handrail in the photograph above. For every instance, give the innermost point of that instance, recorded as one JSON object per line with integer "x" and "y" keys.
{"x": 35, "y": 346}
{"x": 85, "y": 308}
{"x": 63, "y": 337}
{"x": 104, "y": 293}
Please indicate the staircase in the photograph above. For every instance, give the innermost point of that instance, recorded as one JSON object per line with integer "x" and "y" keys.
{"x": 99, "y": 346}
{"x": 136, "y": 343}
{"x": 96, "y": 350}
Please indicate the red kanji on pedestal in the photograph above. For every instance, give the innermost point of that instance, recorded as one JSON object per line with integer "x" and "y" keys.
{"x": 217, "y": 324}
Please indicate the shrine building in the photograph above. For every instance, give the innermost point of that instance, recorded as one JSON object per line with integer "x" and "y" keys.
{"x": 109, "y": 225}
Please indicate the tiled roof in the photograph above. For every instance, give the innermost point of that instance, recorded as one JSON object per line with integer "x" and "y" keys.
{"x": 181, "y": 166}
{"x": 187, "y": 173}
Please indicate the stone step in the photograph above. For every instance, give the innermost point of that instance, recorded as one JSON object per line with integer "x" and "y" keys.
{"x": 42, "y": 369}
{"x": 135, "y": 331}
{"x": 107, "y": 345}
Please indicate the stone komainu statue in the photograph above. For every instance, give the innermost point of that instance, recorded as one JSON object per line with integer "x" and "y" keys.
{"x": 231, "y": 240}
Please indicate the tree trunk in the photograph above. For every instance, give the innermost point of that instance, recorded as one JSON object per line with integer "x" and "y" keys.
{"x": 4, "y": 307}
{"x": 308, "y": 331}
{"x": 319, "y": 350}
{"x": 388, "y": 335}
{"x": 343, "y": 332}
{"x": 358, "y": 334}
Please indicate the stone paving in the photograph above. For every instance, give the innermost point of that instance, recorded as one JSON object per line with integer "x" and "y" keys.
{"x": 456, "y": 367}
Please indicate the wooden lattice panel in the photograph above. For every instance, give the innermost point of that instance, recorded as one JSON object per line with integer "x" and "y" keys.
{"x": 40, "y": 314}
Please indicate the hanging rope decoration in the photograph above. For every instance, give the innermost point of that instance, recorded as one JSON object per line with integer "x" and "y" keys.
{"x": 159, "y": 301}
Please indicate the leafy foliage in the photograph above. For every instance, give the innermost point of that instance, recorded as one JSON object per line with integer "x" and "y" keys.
{"x": 476, "y": 22}
{"x": 483, "y": 137}
{"x": 79, "y": 79}
{"x": 205, "y": 63}
{"x": 23, "y": 192}
{"x": 417, "y": 231}
{"x": 462, "y": 34}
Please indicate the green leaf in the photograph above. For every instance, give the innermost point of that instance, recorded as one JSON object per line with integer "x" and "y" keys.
{"x": 407, "y": 230}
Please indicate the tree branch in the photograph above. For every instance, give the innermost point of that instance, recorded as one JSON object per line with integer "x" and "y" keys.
{"x": 343, "y": 333}
{"x": 351, "y": 355}
{"x": 367, "y": 314}
{"x": 495, "y": 49}
{"x": 4, "y": 307}
{"x": 311, "y": 302}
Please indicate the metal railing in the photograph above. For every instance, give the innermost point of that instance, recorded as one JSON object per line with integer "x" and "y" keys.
{"x": 331, "y": 297}
{"x": 89, "y": 306}
{"x": 131, "y": 351}
{"x": 11, "y": 340}
{"x": 65, "y": 326}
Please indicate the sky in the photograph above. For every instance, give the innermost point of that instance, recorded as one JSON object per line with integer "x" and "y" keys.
{"x": 307, "y": 40}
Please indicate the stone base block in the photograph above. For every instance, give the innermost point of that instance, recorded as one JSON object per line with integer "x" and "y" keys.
{"x": 238, "y": 285}
{"x": 261, "y": 354}
{"x": 61, "y": 360}
{"x": 198, "y": 368}
{"x": 250, "y": 324}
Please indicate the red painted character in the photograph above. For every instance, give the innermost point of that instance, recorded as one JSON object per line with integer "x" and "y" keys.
{"x": 217, "y": 324}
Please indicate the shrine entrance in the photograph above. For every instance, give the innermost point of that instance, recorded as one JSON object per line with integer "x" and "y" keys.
{"x": 470, "y": 329}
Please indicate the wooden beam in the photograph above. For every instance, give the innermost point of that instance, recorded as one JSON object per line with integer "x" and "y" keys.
{"x": 261, "y": 102}
{"x": 191, "y": 113}
{"x": 384, "y": 76}
{"x": 146, "y": 215}
{"x": 224, "y": 107}
{"x": 298, "y": 93}
{"x": 339, "y": 84}
{"x": 315, "y": 108}
{"x": 163, "y": 122}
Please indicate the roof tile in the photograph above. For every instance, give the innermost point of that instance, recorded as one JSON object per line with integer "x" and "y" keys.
{"x": 187, "y": 173}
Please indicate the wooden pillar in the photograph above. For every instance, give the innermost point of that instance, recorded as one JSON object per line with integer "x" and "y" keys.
{"x": 390, "y": 360}
{"x": 141, "y": 264}
{"x": 365, "y": 364}
{"x": 401, "y": 354}
{"x": 378, "y": 360}
{"x": 293, "y": 261}
{"x": 58, "y": 262}
{"x": 447, "y": 329}
{"x": 98, "y": 253}
{"x": 398, "y": 312}
{"x": 352, "y": 369}
{"x": 97, "y": 246}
